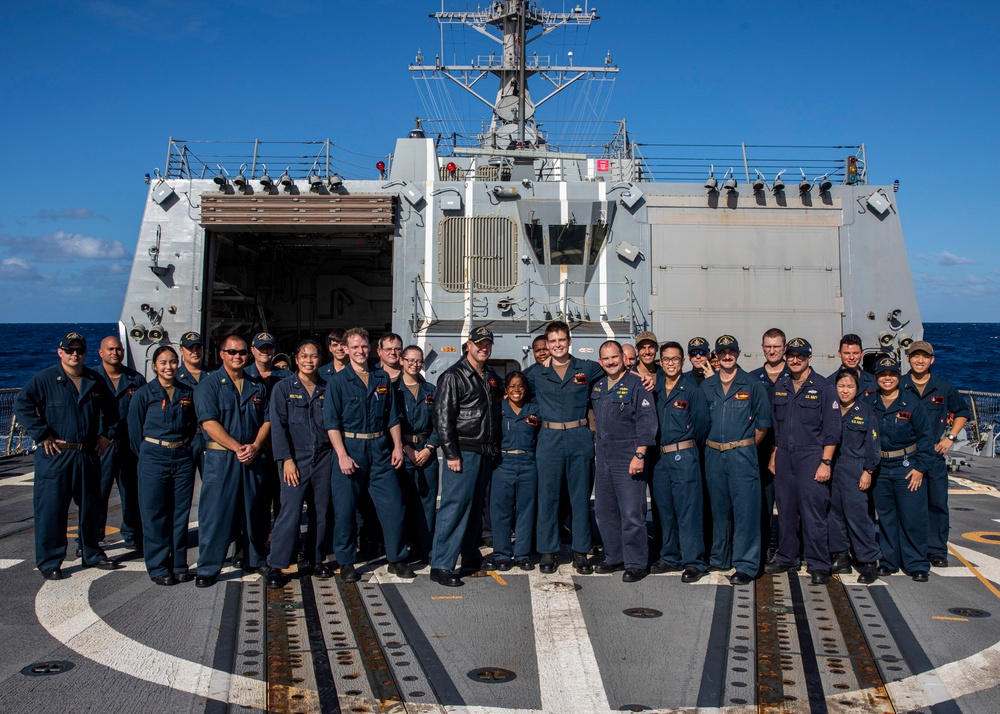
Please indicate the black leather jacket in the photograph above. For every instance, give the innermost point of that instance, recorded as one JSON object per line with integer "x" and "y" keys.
{"x": 467, "y": 410}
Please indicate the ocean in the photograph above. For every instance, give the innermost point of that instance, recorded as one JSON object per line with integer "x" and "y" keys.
{"x": 967, "y": 352}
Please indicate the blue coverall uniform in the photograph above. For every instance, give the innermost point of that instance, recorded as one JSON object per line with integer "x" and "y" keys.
{"x": 764, "y": 449}
{"x": 161, "y": 433}
{"x": 676, "y": 483}
{"x": 625, "y": 418}
{"x": 49, "y": 405}
{"x": 353, "y": 408}
{"x": 851, "y": 525}
{"x": 943, "y": 404}
{"x": 118, "y": 462}
{"x": 231, "y": 490}
{"x": 564, "y": 453}
{"x": 419, "y": 484}
{"x": 733, "y": 474}
{"x": 902, "y": 514}
{"x": 298, "y": 433}
{"x": 198, "y": 445}
{"x": 515, "y": 482}
{"x": 804, "y": 422}
{"x": 272, "y": 479}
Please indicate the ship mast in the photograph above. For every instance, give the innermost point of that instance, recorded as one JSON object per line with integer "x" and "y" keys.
{"x": 514, "y": 24}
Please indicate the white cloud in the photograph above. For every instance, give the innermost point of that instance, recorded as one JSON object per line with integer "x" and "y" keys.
{"x": 18, "y": 269}
{"x": 945, "y": 258}
{"x": 60, "y": 247}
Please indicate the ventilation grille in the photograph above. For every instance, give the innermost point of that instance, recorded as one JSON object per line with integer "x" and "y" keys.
{"x": 480, "y": 251}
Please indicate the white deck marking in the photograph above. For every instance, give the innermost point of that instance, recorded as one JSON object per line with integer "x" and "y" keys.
{"x": 10, "y": 562}
{"x": 27, "y": 479}
{"x": 568, "y": 676}
{"x": 63, "y": 608}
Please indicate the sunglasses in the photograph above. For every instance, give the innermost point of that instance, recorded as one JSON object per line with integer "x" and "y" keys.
{"x": 75, "y": 350}
{"x": 233, "y": 353}
{"x": 698, "y": 353}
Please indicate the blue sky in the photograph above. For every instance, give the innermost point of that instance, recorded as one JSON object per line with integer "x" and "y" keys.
{"x": 92, "y": 90}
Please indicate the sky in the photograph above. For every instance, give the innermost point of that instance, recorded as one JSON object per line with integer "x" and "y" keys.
{"x": 92, "y": 90}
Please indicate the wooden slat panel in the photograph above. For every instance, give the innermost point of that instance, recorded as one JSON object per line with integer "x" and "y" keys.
{"x": 363, "y": 212}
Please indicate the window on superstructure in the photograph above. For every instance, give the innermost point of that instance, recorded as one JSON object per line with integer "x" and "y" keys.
{"x": 536, "y": 239}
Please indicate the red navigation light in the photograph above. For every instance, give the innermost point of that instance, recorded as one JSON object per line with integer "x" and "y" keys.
{"x": 853, "y": 159}
{"x": 451, "y": 167}
{"x": 380, "y": 166}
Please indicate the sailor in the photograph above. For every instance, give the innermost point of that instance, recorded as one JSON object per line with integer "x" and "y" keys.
{"x": 282, "y": 362}
{"x": 904, "y": 431}
{"x": 629, "y": 356}
{"x": 807, "y": 421}
{"x": 625, "y": 427}
{"x": 232, "y": 408}
{"x": 676, "y": 482}
{"x": 467, "y": 419}
{"x": 162, "y": 425}
{"x": 118, "y": 464}
{"x": 739, "y": 416}
{"x": 361, "y": 418}
{"x": 854, "y": 464}
{"x": 190, "y": 373}
{"x": 565, "y": 447}
{"x": 302, "y": 449}
{"x": 540, "y": 351}
{"x": 337, "y": 346}
{"x": 515, "y": 478}
{"x": 390, "y": 349}
{"x": 948, "y": 414}
{"x": 646, "y": 348}
{"x": 63, "y": 409}
{"x": 419, "y": 474}
{"x": 698, "y": 349}
{"x": 772, "y": 344}
{"x": 851, "y": 352}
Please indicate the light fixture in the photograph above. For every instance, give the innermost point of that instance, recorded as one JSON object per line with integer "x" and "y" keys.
{"x": 711, "y": 185}
{"x": 286, "y": 180}
{"x": 804, "y": 185}
{"x": 824, "y": 183}
{"x": 334, "y": 180}
{"x": 729, "y": 182}
{"x": 266, "y": 182}
{"x": 221, "y": 178}
{"x": 759, "y": 183}
{"x": 778, "y": 186}
{"x": 380, "y": 166}
{"x": 315, "y": 182}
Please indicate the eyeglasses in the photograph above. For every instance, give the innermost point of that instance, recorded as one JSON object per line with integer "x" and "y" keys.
{"x": 795, "y": 358}
{"x": 698, "y": 353}
{"x": 671, "y": 360}
{"x": 413, "y": 361}
{"x": 75, "y": 350}
{"x": 392, "y": 349}
{"x": 233, "y": 353}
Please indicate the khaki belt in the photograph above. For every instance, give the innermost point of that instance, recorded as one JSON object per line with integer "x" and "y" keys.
{"x": 729, "y": 444}
{"x": 679, "y": 446}
{"x": 353, "y": 435}
{"x": 215, "y": 446}
{"x": 415, "y": 438}
{"x": 899, "y": 452}
{"x": 563, "y": 425}
{"x": 72, "y": 446}
{"x": 169, "y": 444}
{"x": 517, "y": 451}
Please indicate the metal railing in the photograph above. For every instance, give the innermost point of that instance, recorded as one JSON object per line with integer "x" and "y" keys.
{"x": 15, "y": 440}
{"x": 983, "y": 428}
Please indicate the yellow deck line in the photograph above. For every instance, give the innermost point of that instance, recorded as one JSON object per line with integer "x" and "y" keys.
{"x": 967, "y": 564}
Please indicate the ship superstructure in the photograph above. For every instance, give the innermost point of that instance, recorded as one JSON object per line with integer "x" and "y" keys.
{"x": 511, "y": 226}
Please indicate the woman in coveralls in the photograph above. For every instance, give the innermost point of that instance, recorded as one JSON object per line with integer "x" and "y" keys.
{"x": 419, "y": 475}
{"x": 904, "y": 431}
{"x": 161, "y": 427}
{"x": 851, "y": 528}
{"x": 300, "y": 444}
{"x": 515, "y": 479}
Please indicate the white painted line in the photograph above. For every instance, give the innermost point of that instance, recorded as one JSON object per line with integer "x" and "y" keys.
{"x": 27, "y": 479}
{"x": 63, "y": 609}
{"x": 10, "y": 563}
{"x": 568, "y": 676}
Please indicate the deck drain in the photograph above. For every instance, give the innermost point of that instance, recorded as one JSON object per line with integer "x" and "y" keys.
{"x": 43, "y": 669}
{"x": 642, "y": 612}
{"x": 491, "y": 675}
{"x": 968, "y": 612}
{"x": 961, "y": 508}
{"x": 634, "y": 708}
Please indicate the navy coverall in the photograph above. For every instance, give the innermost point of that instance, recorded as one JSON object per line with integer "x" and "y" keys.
{"x": 733, "y": 474}
{"x": 272, "y": 477}
{"x": 564, "y": 453}
{"x": 198, "y": 446}
{"x": 515, "y": 482}
{"x": 851, "y": 526}
{"x": 804, "y": 422}
{"x": 231, "y": 491}
{"x": 676, "y": 484}
{"x": 625, "y": 418}
{"x": 49, "y": 405}
{"x": 902, "y": 514}
{"x": 764, "y": 449}
{"x": 353, "y": 408}
{"x": 166, "y": 472}
{"x": 943, "y": 404}
{"x": 298, "y": 433}
{"x": 419, "y": 484}
{"x": 118, "y": 462}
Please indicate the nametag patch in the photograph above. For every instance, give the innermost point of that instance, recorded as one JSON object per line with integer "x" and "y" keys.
{"x": 295, "y": 396}
{"x": 937, "y": 400}
{"x": 680, "y": 404}
{"x": 623, "y": 391}
{"x": 381, "y": 389}
{"x": 258, "y": 401}
{"x": 903, "y": 416}
{"x": 781, "y": 394}
{"x": 579, "y": 378}
{"x": 811, "y": 395}
{"x": 531, "y": 420}
{"x": 859, "y": 420}
{"x": 742, "y": 396}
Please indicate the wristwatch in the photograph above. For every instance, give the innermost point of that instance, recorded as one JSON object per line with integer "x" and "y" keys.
{"x": 826, "y": 462}
{"x": 639, "y": 455}
{"x": 950, "y": 437}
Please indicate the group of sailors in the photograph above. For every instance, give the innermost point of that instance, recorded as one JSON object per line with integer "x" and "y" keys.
{"x": 356, "y": 442}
